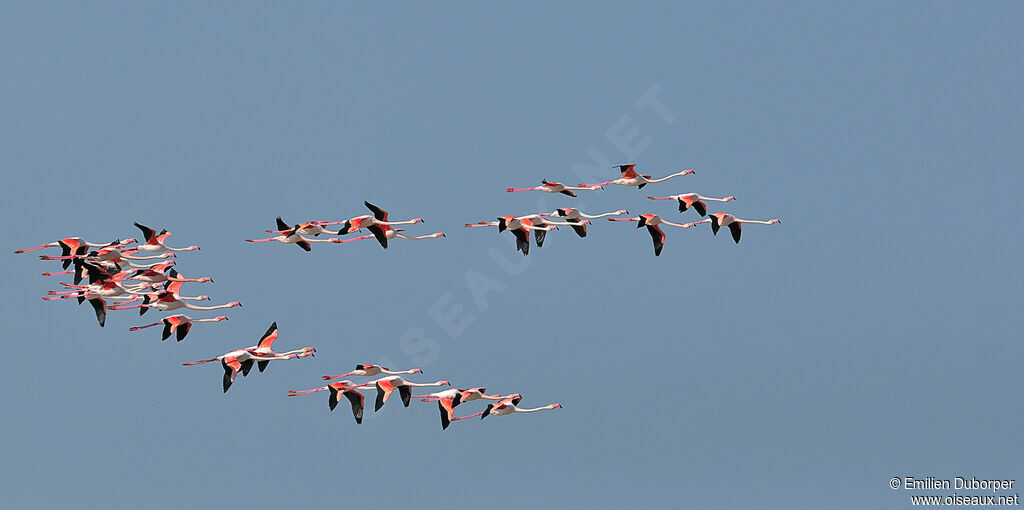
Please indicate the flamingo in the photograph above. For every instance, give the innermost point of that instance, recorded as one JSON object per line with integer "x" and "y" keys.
{"x": 448, "y": 400}
{"x": 389, "y": 233}
{"x": 166, "y": 301}
{"x": 178, "y": 324}
{"x": 310, "y": 228}
{"x": 575, "y": 215}
{"x": 346, "y": 388}
{"x": 291, "y": 236}
{"x": 373, "y": 223}
{"x": 519, "y": 226}
{"x": 163, "y": 273}
{"x": 687, "y": 200}
{"x": 155, "y": 241}
{"x": 556, "y": 187}
{"x": 538, "y": 220}
{"x": 651, "y": 221}
{"x": 631, "y": 178}
{"x": 241, "y": 360}
{"x": 721, "y": 219}
{"x": 508, "y": 406}
{"x": 386, "y": 385}
{"x": 70, "y": 245}
{"x": 264, "y": 347}
{"x": 369, "y": 370}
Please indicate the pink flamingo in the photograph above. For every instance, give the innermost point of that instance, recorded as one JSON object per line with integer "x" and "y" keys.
{"x": 651, "y": 221}
{"x": 345, "y": 388}
{"x": 506, "y": 407}
{"x": 369, "y": 370}
{"x": 155, "y": 241}
{"x": 719, "y": 220}
{"x": 576, "y": 217}
{"x": 178, "y": 324}
{"x": 631, "y": 178}
{"x": 688, "y": 200}
{"x": 556, "y": 187}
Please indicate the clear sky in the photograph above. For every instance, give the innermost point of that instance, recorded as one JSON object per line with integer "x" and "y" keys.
{"x": 874, "y": 333}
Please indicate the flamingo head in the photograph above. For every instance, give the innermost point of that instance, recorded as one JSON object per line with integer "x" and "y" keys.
{"x": 130, "y": 240}
{"x": 556, "y": 406}
{"x": 688, "y": 172}
{"x": 221, "y": 318}
{"x": 774, "y": 220}
{"x": 440, "y": 234}
{"x": 415, "y": 371}
{"x": 203, "y": 298}
{"x": 193, "y": 248}
{"x": 308, "y": 351}
{"x": 417, "y": 220}
{"x": 444, "y": 383}
{"x": 728, "y": 198}
{"x": 234, "y": 303}
{"x": 206, "y": 279}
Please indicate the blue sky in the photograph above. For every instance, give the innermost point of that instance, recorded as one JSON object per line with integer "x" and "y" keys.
{"x": 874, "y": 333}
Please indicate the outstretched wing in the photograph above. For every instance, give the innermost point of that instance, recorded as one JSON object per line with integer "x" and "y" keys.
{"x": 281, "y": 225}
{"x": 356, "y": 399}
{"x": 267, "y": 340}
{"x": 406, "y": 393}
{"x": 147, "y": 232}
{"x": 659, "y": 238}
{"x": 628, "y": 171}
{"x": 378, "y": 213}
{"x": 378, "y": 232}
{"x": 736, "y": 229}
{"x": 101, "y": 310}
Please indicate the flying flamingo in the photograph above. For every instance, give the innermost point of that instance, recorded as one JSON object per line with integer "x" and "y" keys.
{"x": 70, "y": 245}
{"x": 687, "y": 200}
{"x": 264, "y": 347}
{"x": 538, "y": 220}
{"x": 390, "y": 233}
{"x": 309, "y": 228}
{"x": 631, "y": 178}
{"x": 506, "y": 407}
{"x": 651, "y": 221}
{"x": 719, "y": 220}
{"x": 178, "y": 324}
{"x": 368, "y": 370}
{"x": 373, "y": 223}
{"x": 166, "y": 301}
{"x": 241, "y": 360}
{"x": 576, "y": 216}
{"x": 155, "y": 241}
{"x": 386, "y": 385}
{"x": 291, "y": 236}
{"x": 346, "y": 388}
{"x": 448, "y": 400}
{"x": 163, "y": 273}
{"x": 556, "y": 187}
{"x": 520, "y": 227}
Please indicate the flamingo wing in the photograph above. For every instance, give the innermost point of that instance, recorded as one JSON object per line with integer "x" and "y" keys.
{"x": 356, "y": 399}
{"x": 246, "y": 367}
{"x": 101, "y": 310}
{"x": 736, "y": 229}
{"x": 539, "y": 235}
{"x": 522, "y": 240}
{"x": 267, "y": 340}
{"x": 168, "y": 329}
{"x": 659, "y": 238}
{"x": 701, "y": 209}
{"x": 715, "y": 224}
{"x": 447, "y": 412}
{"x": 581, "y": 230}
{"x": 378, "y": 232}
{"x": 304, "y": 245}
{"x": 378, "y": 213}
{"x": 231, "y": 367}
{"x": 384, "y": 389}
{"x": 147, "y": 232}
{"x": 628, "y": 171}
{"x": 281, "y": 225}
{"x": 183, "y": 330}
{"x": 406, "y": 393}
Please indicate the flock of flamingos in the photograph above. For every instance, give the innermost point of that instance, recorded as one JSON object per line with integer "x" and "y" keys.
{"x": 118, "y": 279}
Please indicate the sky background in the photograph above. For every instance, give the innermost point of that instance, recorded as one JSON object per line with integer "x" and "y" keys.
{"x": 874, "y": 333}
